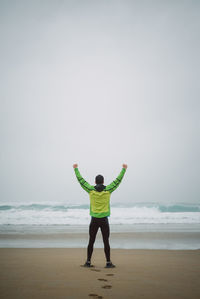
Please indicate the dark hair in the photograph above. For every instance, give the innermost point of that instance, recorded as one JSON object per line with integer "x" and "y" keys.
{"x": 99, "y": 179}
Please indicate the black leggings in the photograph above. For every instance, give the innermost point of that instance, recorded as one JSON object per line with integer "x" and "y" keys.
{"x": 105, "y": 230}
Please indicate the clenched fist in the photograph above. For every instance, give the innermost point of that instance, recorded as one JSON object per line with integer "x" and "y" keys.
{"x": 125, "y": 166}
{"x": 75, "y": 165}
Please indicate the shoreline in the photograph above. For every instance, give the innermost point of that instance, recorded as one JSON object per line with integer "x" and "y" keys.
{"x": 56, "y": 273}
{"x": 181, "y": 240}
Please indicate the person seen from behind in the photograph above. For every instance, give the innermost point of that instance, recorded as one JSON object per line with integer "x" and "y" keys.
{"x": 99, "y": 211}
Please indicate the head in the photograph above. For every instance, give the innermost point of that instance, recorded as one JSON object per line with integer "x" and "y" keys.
{"x": 99, "y": 179}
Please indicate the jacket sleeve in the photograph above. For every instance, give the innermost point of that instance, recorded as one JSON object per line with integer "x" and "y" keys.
{"x": 113, "y": 186}
{"x": 87, "y": 187}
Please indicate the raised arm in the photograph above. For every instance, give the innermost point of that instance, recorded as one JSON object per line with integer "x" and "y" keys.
{"x": 87, "y": 187}
{"x": 113, "y": 186}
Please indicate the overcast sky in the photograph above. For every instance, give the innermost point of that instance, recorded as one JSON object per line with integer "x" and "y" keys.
{"x": 99, "y": 83}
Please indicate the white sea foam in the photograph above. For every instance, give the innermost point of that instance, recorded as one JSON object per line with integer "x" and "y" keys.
{"x": 139, "y": 215}
{"x": 79, "y": 215}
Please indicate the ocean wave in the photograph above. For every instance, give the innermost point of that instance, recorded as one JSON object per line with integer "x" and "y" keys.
{"x": 173, "y": 208}
{"x": 45, "y": 214}
{"x": 42, "y": 207}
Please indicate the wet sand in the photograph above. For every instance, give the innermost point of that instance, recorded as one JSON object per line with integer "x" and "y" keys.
{"x": 56, "y": 273}
{"x": 176, "y": 240}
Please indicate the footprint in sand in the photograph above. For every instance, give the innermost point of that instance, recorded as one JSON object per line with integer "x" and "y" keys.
{"x": 102, "y": 279}
{"x": 95, "y": 296}
{"x": 96, "y": 270}
{"x": 107, "y": 287}
{"x": 109, "y": 274}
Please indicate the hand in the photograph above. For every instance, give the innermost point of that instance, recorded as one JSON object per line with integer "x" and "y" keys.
{"x": 75, "y": 165}
{"x": 125, "y": 166}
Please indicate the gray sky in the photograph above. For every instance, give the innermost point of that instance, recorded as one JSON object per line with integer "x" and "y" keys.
{"x": 99, "y": 83}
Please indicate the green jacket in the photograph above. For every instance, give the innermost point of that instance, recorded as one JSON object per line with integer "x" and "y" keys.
{"x": 99, "y": 201}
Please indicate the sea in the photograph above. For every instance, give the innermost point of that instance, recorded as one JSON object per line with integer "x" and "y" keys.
{"x": 132, "y": 226}
{"x": 141, "y": 213}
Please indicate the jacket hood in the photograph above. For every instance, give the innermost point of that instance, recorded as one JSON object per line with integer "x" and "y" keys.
{"x": 99, "y": 187}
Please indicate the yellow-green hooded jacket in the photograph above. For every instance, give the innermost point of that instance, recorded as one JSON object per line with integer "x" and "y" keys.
{"x": 99, "y": 194}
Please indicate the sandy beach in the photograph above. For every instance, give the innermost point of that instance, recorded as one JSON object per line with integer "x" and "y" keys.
{"x": 56, "y": 273}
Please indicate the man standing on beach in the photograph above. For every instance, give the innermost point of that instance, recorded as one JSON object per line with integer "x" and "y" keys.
{"x": 99, "y": 211}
